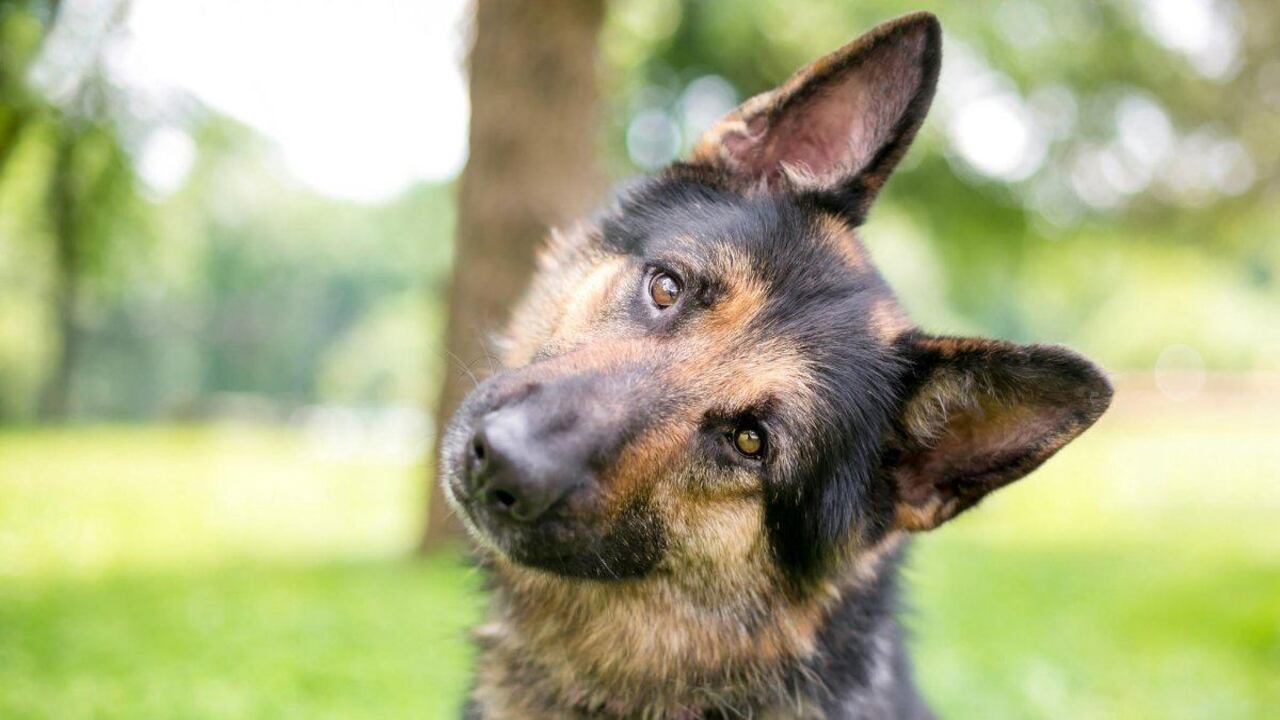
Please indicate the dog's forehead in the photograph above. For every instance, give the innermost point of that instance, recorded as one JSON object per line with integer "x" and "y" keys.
{"x": 782, "y": 239}
{"x": 785, "y": 275}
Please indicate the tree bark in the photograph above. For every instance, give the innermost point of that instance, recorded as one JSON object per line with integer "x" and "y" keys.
{"x": 67, "y": 271}
{"x": 11, "y": 136}
{"x": 532, "y": 165}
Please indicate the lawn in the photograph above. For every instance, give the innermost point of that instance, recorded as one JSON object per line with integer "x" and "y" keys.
{"x": 250, "y": 572}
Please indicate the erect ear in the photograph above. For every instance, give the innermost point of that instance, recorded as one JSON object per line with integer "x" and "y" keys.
{"x": 981, "y": 414}
{"x": 838, "y": 126}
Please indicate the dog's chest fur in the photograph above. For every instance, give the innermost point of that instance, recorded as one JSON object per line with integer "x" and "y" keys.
{"x": 848, "y": 662}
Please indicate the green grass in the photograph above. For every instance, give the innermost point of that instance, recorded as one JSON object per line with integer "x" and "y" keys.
{"x": 220, "y": 572}
{"x": 368, "y": 640}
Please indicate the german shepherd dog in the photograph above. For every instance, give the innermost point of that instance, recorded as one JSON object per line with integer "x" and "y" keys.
{"x": 715, "y": 428}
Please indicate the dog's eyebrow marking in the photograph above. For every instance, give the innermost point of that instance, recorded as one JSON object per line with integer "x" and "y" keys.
{"x": 743, "y": 293}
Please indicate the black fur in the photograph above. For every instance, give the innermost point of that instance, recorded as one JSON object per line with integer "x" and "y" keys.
{"x": 863, "y": 461}
{"x": 818, "y": 304}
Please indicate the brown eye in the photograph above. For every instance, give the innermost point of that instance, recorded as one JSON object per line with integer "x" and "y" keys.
{"x": 664, "y": 290}
{"x": 749, "y": 441}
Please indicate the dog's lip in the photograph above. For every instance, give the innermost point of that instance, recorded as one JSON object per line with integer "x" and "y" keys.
{"x": 460, "y": 498}
{"x": 459, "y": 494}
{"x": 475, "y": 522}
{"x": 475, "y": 519}
{"x": 496, "y": 535}
{"x": 455, "y": 473}
{"x": 491, "y": 532}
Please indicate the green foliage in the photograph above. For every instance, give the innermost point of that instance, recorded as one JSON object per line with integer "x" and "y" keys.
{"x": 282, "y": 279}
{"x": 249, "y": 285}
{"x": 84, "y": 210}
{"x": 1117, "y": 193}
{"x": 1144, "y": 220}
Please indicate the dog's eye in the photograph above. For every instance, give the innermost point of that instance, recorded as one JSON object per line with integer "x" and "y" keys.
{"x": 664, "y": 290}
{"x": 749, "y": 441}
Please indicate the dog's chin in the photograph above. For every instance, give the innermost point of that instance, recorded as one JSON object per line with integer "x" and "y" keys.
{"x": 569, "y": 548}
{"x": 564, "y": 549}
{"x": 569, "y": 565}
{"x": 575, "y": 543}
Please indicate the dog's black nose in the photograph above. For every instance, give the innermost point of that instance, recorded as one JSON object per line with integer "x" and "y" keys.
{"x": 522, "y": 464}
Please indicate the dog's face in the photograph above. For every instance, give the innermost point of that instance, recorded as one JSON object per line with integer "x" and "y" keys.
{"x": 712, "y": 378}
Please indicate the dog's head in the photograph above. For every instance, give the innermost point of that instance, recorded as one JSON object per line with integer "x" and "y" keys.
{"x": 712, "y": 375}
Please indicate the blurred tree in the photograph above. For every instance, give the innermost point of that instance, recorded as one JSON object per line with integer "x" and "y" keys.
{"x": 90, "y": 183}
{"x": 22, "y": 28}
{"x": 1136, "y": 126}
{"x": 68, "y": 253}
{"x": 1084, "y": 163}
{"x": 90, "y": 188}
{"x": 90, "y": 197}
{"x": 532, "y": 165}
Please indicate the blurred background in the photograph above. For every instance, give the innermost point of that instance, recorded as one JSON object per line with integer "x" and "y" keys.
{"x": 243, "y": 271}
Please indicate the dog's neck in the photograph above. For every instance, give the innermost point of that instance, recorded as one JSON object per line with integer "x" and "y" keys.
{"x": 662, "y": 648}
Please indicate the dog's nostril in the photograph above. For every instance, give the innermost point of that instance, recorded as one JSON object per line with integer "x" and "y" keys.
{"x": 513, "y": 469}
{"x": 504, "y": 498}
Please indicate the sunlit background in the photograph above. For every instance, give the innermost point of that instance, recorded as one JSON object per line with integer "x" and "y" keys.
{"x": 225, "y": 238}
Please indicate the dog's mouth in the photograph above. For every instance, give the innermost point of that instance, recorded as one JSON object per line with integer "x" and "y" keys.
{"x": 525, "y": 462}
{"x": 575, "y": 538}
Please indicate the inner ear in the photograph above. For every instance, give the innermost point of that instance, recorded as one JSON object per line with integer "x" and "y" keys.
{"x": 842, "y": 122}
{"x": 985, "y": 413}
{"x": 845, "y": 110}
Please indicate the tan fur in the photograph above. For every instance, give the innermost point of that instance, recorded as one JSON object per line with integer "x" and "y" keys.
{"x": 717, "y": 571}
{"x": 887, "y": 321}
{"x": 745, "y": 295}
{"x": 869, "y": 562}
{"x": 563, "y": 293}
{"x": 711, "y": 614}
{"x": 687, "y": 643}
{"x": 969, "y": 421}
{"x": 844, "y": 241}
{"x": 920, "y": 517}
{"x": 926, "y": 414}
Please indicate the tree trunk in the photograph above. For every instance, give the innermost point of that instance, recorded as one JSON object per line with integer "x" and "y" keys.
{"x": 56, "y": 400}
{"x": 532, "y": 165}
{"x": 11, "y": 136}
